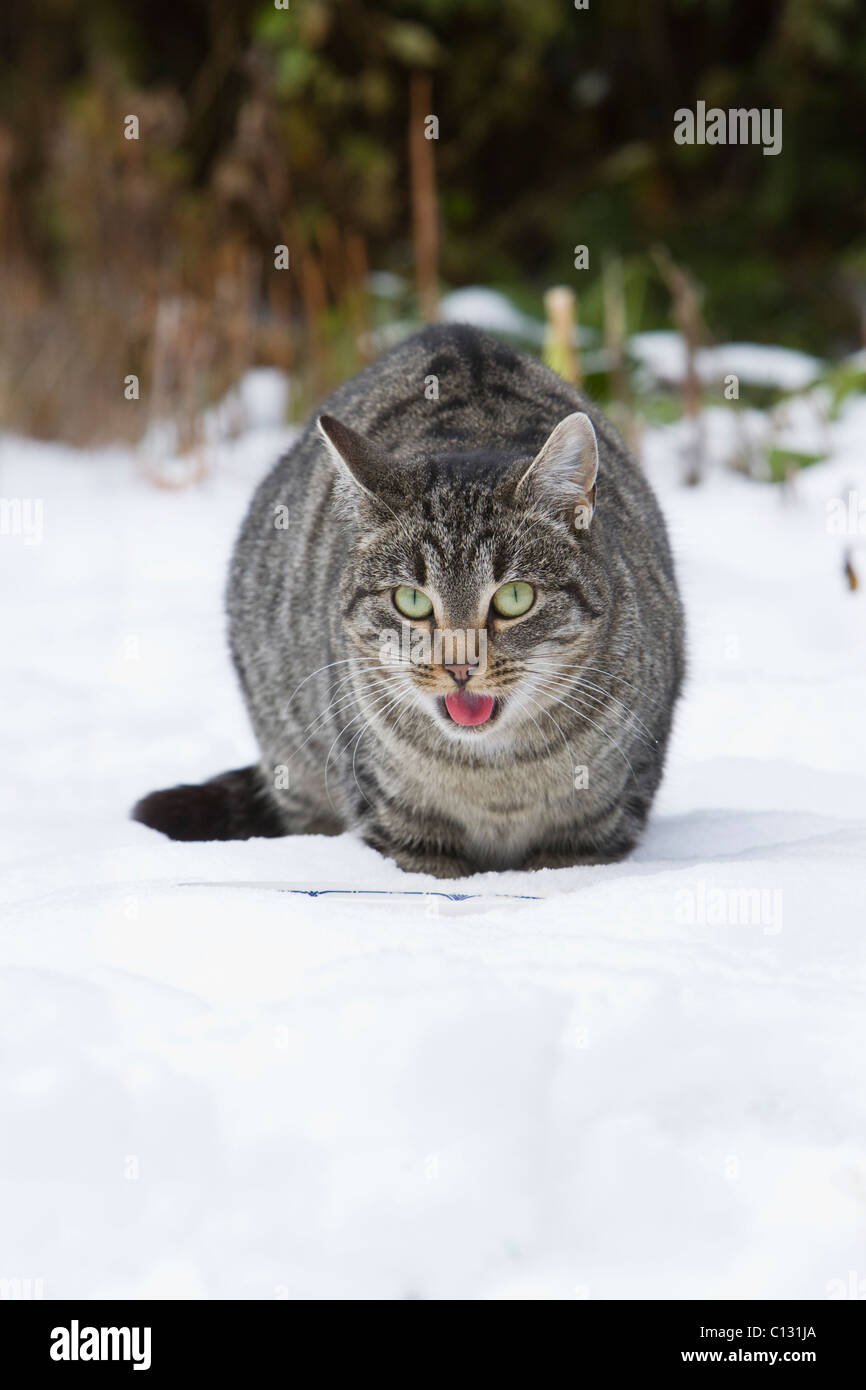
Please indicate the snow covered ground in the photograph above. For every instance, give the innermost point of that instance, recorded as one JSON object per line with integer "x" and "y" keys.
{"x": 648, "y": 1083}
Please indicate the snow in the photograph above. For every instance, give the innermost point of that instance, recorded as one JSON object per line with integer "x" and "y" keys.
{"x": 647, "y": 1083}
{"x": 490, "y": 310}
{"x": 663, "y": 354}
{"x": 495, "y": 312}
{"x": 384, "y": 284}
{"x": 760, "y": 364}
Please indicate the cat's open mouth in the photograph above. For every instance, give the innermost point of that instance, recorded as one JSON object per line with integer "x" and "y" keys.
{"x": 469, "y": 710}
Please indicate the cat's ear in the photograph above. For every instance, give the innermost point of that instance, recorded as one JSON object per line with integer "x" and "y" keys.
{"x": 564, "y": 472}
{"x": 357, "y": 458}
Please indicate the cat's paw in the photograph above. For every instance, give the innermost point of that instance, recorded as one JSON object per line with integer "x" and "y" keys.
{"x": 413, "y": 861}
{"x": 570, "y": 859}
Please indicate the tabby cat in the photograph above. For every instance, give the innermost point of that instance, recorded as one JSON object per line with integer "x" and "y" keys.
{"x": 454, "y": 616}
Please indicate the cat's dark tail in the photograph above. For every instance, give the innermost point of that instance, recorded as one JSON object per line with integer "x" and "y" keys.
{"x": 234, "y": 806}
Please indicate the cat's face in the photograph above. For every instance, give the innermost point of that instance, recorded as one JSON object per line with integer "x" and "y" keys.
{"x": 472, "y": 587}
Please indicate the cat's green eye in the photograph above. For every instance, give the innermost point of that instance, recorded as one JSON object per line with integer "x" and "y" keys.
{"x": 412, "y": 603}
{"x": 514, "y": 599}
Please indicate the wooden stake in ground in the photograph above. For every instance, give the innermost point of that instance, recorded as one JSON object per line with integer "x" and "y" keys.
{"x": 851, "y": 577}
{"x": 560, "y": 337}
{"x": 314, "y": 297}
{"x": 357, "y": 304}
{"x": 615, "y": 333}
{"x": 182, "y": 351}
{"x": 686, "y": 314}
{"x": 422, "y": 173}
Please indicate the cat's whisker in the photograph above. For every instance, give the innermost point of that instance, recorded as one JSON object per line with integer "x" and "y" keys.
{"x": 327, "y": 666}
{"x": 599, "y": 670}
{"x": 522, "y": 706}
{"x": 366, "y": 702}
{"x": 573, "y": 670}
{"x": 372, "y": 709}
{"x": 361, "y": 699}
{"x": 573, "y": 682}
{"x": 554, "y": 687}
{"x": 336, "y": 692}
{"x": 558, "y": 726}
{"x": 403, "y": 695}
{"x": 356, "y": 698}
{"x": 346, "y": 679}
{"x": 389, "y": 703}
{"x": 583, "y": 715}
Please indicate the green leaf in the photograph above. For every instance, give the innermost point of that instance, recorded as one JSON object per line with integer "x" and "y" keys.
{"x": 784, "y": 461}
{"x": 412, "y": 44}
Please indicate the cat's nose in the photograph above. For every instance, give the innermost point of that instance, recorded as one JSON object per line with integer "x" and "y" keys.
{"x": 460, "y": 674}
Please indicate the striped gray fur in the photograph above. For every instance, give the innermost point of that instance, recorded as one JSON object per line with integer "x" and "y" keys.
{"x": 586, "y": 681}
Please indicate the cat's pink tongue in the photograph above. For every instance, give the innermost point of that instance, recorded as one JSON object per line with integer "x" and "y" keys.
{"x": 466, "y": 708}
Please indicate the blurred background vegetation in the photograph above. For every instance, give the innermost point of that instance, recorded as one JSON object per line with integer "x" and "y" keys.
{"x": 262, "y": 126}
